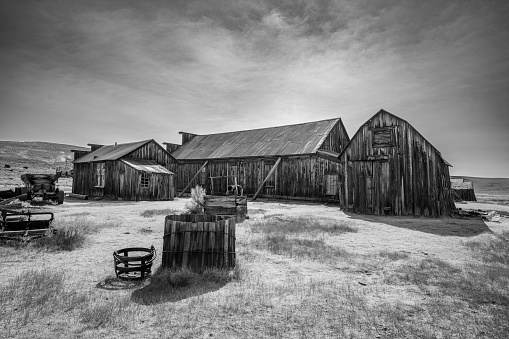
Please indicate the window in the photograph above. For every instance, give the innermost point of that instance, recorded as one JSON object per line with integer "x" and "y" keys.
{"x": 203, "y": 176}
{"x": 331, "y": 184}
{"x": 232, "y": 175}
{"x": 100, "y": 171}
{"x": 383, "y": 137}
{"x": 144, "y": 180}
{"x": 271, "y": 180}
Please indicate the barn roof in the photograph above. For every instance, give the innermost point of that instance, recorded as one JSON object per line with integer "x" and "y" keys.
{"x": 305, "y": 138}
{"x": 111, "y": 152}
{"x": 146, "y": 166}
{"x": 389, "y": 113}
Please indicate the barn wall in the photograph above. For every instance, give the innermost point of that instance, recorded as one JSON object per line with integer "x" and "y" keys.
{"x": 301, "y": 176}
{"x": 337, "y": 138}
{"x": 404, "y": 175}
{"x": 153, "y": 151}
{"x": 122, "y": 181}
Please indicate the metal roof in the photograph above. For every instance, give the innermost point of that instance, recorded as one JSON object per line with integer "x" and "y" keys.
{"x": 146, "y": 166}
{"x": 298, "y": 139}
{"x": 111, "y": 152}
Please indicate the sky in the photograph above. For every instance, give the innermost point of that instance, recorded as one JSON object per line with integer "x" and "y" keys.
{"x": 106, "y": 71}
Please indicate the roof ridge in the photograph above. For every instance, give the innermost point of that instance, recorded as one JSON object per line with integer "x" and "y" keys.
{"x": 262, "y": 128}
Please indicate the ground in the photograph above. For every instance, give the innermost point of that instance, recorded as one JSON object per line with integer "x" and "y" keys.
{"x": 271, "y": 282}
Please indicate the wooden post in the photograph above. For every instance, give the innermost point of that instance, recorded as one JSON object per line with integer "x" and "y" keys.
{"x": 190, "y": 181}
{"x": 267, "y": 178}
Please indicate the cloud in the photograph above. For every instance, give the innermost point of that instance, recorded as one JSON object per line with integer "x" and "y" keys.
{"x": 136, "y": 69}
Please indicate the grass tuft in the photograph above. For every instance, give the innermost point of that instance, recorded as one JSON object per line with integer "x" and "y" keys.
{"x": 71, "y": 233}
{"x": 277, "y": 223}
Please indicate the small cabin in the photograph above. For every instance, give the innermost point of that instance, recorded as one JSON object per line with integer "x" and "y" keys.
{"x": 291, "y": 162}
{"x": 390, "y": 168}
{"x": 131, "y": 171}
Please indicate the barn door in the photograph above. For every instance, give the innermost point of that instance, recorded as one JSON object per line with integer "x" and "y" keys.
{"x": 381, "y": 189}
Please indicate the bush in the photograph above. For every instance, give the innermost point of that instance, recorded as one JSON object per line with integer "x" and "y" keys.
{"x": 195, "y": 205}
{"x": 70, "y": 233}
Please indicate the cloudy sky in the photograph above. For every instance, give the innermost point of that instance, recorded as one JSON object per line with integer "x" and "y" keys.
{"x": 101, "y": 71}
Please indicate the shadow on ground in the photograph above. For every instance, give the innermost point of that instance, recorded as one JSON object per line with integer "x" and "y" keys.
{"x": 113, "y": 284}
{"x": 447, "y": 226}
{"x": 157, "y": 293}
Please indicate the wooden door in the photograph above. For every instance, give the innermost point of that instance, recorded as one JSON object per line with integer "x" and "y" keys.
{"x": 382, "y": 203}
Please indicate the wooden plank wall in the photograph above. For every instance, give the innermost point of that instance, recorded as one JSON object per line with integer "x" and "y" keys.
{"x": 409, "y": 178}
{"x": 337, "y": 138}
{"x": 122, "y": 181}
{"x": 301, "y": 176}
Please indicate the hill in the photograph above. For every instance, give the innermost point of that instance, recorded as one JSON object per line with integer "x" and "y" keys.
{"x": 19, "y": 157}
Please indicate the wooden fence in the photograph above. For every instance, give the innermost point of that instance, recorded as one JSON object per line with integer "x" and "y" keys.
{"x": 198, "y": 241}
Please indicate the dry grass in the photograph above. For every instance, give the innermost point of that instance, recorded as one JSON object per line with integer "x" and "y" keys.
{"x": 152, "y": 212}
{"x": 71, "y": 233}
{"x": 294, "y": 279}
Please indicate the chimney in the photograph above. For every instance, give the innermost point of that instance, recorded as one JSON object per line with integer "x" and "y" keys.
{"x": 186, "y": 137}
{"x": 171, "y": 147}
{"x": 94, "y": 147}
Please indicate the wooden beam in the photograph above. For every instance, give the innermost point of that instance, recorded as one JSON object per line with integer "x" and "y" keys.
{"x": 267, "y": 178}
{"x": 78, "y": 196}
{"x": 22, "y": 197}
{"x": 190, "y": 181}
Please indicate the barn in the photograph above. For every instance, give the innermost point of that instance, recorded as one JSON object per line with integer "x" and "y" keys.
{"x": 131, "y": 171}
{"x": 388, "y": 167}
{"x": 292, "y": 162}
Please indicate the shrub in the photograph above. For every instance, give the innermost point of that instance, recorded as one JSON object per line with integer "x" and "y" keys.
{"x": 195, "y": 205}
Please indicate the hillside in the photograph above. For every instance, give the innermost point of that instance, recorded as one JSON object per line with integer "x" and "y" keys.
{"x": 19, "y": 157}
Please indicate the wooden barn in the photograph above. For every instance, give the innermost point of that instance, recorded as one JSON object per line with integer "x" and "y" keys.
{"x": 293, "y": 162}
{"x": 132, "y": 171}
{"x": 390, "y": 168}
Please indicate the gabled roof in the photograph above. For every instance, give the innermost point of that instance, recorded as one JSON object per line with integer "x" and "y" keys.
{"x": 382, "y": 111}
{"x": 305, "y": 138}
{"x": 146, "y": 166}
{"x": 111, "y": 152}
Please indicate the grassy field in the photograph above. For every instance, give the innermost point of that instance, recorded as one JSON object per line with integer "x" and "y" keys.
{"x": 302, "y": 271}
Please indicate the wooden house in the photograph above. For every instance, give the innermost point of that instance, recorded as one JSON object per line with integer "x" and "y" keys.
{"x": 132, "y": 171}
{"x": 463, "y": 190}
{"x": 293, "y": 162}
{"x": 388, "y": 167}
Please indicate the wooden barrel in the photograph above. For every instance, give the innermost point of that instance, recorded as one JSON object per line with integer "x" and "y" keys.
{"x": 198, "y": 241}
{"x": 135, "y": 267}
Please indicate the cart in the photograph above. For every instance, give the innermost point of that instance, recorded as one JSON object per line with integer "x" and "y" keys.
{"x": 24, "y": 225}
{"x": 43, "y": 185}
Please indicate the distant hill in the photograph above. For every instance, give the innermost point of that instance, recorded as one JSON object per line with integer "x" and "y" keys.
{"x": 19, "y": 157}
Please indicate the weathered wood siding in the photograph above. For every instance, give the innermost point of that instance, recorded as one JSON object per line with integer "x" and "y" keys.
{"x": 153, "y": 151}
{"x": 301, "y": 176}
{"x": 389, "y": 168}
{"x": 337, "y": 138}
{"x": 122, "y": 182}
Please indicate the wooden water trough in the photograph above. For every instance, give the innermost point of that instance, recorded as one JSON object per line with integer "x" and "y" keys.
{"x": 198, "y": 241}
{"x": 227, "y": 206}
